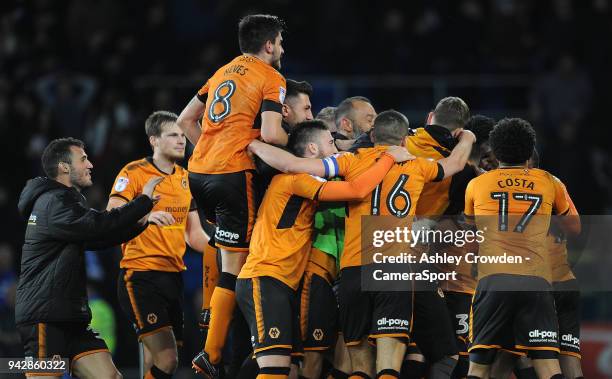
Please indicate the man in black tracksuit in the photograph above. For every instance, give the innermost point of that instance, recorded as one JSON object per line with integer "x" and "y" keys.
{"x": 52, "y": 313}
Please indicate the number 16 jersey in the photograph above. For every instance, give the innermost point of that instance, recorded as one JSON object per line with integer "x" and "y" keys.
{"x": 235, "y": 96}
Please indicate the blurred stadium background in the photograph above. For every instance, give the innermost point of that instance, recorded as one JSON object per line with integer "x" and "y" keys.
{"x": 94, "y": 69}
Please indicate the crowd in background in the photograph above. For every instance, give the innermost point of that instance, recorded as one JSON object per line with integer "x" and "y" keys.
{"x": 87, "y": 69}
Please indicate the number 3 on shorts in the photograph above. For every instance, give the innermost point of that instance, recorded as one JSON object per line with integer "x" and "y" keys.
{"x": 223, "y": 93}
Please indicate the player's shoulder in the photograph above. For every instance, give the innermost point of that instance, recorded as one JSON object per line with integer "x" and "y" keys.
{"x": 136, "y": 165}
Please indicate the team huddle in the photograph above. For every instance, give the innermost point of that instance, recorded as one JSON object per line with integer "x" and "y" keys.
{"x": 275, "y": 199}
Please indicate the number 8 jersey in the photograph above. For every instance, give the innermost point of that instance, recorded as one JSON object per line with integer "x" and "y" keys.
{"x": 512, "y": 207}
{"x": 235, "y": 96}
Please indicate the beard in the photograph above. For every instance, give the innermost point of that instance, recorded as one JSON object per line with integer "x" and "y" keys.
{"x": 80, "y": 181}
{"x": 277, "y": 64}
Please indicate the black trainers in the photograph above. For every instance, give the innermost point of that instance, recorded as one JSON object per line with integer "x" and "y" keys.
{"x": 201, "y": 364}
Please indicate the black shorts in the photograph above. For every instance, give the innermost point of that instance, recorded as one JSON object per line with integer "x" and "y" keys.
{"x": 459, "y": 305}
{"x": 318, "y": 313}
{"x": 524, "y": 320}
{"x": 567, "y": 303}
{"x": 433, "y": 329}
{"x": 372, "y": 314}
{"x": 152, "y": 301}
{"x": 271, "y": 310}
{"x": 63, "y": 339}
{"x": 231, "y": 200}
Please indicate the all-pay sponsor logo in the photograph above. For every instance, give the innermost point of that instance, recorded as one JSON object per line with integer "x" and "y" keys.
{"x": 539, "y": 335}
{"x": 224, "y": 234}
{"x": 388, "y": 323}
{"x": 569, "y": 339}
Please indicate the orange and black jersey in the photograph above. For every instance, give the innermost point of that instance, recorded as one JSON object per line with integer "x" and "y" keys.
{"x": 282, "y": 237}
{"x": 557, "y": 246}
{"x": 512, "y": 206}
{"x": 158, "y": 248}
{"x": 280, "y": 244}
{"x": 235, "y": 96}
{"x": 447, "y": 196}
{"x": 397, "y": 195}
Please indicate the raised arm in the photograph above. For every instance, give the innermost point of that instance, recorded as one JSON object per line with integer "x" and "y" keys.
{"x": 188, "y": 119}
{"x": 456, "y": 161}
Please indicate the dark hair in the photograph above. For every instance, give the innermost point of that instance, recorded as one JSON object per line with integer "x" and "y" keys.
{"x": 345, "y": 108}
{"x": 390, "y": 127}
{"x": 304, "y": 133}
{"x": 481, "y": 126}
{"x": 294, "y": 88}
{"x": 156, "y": 120}
{"x": 512, "y": 141}
{"x": 256, "y": 29}
{"x": 535, "y": 159}
{"x": 58, "y": 151}
{"x": 452, "y": 112}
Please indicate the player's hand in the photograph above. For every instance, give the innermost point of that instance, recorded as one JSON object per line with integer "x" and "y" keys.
{"x": 148, "y": 188}
{"x": 463, "y": 135}
{"x": 160, "y": 218}
{"x": 253, "y": 145}
{"x": 400, "y": 154}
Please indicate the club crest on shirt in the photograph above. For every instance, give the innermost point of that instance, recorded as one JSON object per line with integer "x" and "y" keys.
{"x": 184, "y": 183}
{"x": 121, "y": 184}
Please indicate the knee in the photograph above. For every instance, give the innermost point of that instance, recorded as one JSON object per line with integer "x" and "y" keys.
{"x": 167, "y": 361}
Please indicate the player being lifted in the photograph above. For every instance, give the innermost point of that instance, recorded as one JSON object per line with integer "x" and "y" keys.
{"x": 267, "y": 284}
{"x": 513, "y": 306}
{"x": 242, "y": 101}
{"x": 150, "y": 285}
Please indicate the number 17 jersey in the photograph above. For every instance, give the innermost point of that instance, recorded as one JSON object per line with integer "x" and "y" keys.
{"x": 235, "y": 97}
{"x": 512, "y": 208}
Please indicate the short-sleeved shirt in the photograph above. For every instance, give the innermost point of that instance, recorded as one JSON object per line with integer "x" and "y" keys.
{"x": 235, "y": 97}
{"x": 388, "y": 198}
{"x": 281, "y": 240}
{"x": 158, "y": 248}
{"x": 512, "y": 206}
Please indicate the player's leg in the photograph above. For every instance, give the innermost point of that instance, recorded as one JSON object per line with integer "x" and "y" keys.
{"x": 414, "y": 365}
{"x": 567, "y": 303}
{"x": 144, "y": 298}
{"x": 504, "y": 364}
{"x": 235, "y": 216}
{"x": 433, "y": 330}
{"x": 90, "y": 357}
{"x": 318, "y": 311}
{"x": 571, "y": 366}
{"x": 44, "y": 340}
{"x": 362, "y": 359}
{"x": 390, "y": 329}
{"x": 524, "y": 369}
{"x": 342, "y": 366}
{"x": 271, "y": 323}
{"x": 98, "y": 365}
{"x": 355, "y": 315}
{"x": 490, "y": 324}
{"x": 458, "y": 305}
{"x": 536, "y": 327}
{"x": 210, "y": 278}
